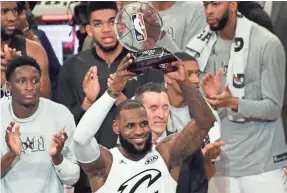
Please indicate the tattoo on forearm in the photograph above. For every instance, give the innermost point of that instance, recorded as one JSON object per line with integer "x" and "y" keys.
{"x": 186, "y": 142}
{"x": 190, "y": 138}
{"x": 199, "y": 108}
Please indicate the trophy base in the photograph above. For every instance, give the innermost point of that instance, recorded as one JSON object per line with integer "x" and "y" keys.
{"x": 156, "y": 58}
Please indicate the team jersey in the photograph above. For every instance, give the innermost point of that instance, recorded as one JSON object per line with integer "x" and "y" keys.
{"x": 148, "y": 175}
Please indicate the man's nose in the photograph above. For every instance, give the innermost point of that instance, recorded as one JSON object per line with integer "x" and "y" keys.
{"x": 208, "y": 10}
{"x": 11, "y": 17}
{"x": 194, "y": 79}
{"x": 107, "y": 27}
{"x": 138, "y": 130}
{"x": 29, "y": 86}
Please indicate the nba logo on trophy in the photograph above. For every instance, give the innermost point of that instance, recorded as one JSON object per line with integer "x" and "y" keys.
{"x": 139, "y": 25}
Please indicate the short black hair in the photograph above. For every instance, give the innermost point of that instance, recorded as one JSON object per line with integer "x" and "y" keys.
{"x": 185, "y": 56}
{"x": 149, "y": 87}
{"x": 99, "y": 5}
{"x": 126, "y": 105}
{"x": 20, "y": 61}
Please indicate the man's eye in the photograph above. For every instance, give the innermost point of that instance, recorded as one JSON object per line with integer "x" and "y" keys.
{"x": 144, "y": 124}
{"x": 130, "y": 125}
{"x": 3, "y": 11}
{"x": 35, "y": 81}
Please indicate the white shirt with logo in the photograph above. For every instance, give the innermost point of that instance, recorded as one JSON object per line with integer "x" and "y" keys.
{"x": 33, "y": 171}
{"x": 148, "y": 175}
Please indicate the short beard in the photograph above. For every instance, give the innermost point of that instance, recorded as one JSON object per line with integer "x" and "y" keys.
{"x": 221, "y": 23}
{"x": 130, "y": 148}
{"x": 107, "y": 49}
{"x": 6, "y": 36}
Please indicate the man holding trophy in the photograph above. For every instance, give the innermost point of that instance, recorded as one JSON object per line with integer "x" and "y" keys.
{"x": 148, "y": 169}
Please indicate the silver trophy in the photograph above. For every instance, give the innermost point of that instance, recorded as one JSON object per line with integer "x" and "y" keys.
{"x": 139, "y": 27}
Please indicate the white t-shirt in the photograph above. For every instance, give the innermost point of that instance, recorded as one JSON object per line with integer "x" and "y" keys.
{"x": 33, "y": 170}
{"x": 180, "y": 118}
{"x": 148, "y": 175}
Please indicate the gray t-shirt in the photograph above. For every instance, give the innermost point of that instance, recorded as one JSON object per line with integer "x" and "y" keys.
{"x": 33, "y": 171}
{"x": 255, "y": 146}
{"x": 182, "y": 21}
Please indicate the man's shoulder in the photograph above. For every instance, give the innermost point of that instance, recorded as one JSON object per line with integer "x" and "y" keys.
{"x": 79, "y": 57}
{"x": 261, "y": 35}
{"x": 33, "y": 45}
{"x": 192, "y": 4}
{"x": 4, "y": 101}
{"x": 56, "y": 108}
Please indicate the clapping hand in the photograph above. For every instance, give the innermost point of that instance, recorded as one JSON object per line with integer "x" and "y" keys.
{"x": 13, "y": 138}
{"x": 212, "y": 84}
{"x": 58, "y": 143}
{"x": 91, "y": 86}
{"x": 223, "y": 100}
{"x": 212, "y": 150}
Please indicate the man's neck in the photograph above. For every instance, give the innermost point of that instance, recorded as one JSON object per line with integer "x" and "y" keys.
{"x": 111, "y": 56}
{"x": 163, "y": 5}
{"x": 131, "y": 156}
{"x": 156, "y": 138}
{"x": 5, "y": 42}
{"x": 22, "y": 112}
{"x": 228, "y": 32}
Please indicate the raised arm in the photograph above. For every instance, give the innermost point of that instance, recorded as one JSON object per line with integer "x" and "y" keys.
{"x": 95, "y": 159}
{"x": 177, "y": 147}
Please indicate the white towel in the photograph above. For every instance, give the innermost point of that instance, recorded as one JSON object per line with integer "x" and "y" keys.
{"x": 201, "y": 46}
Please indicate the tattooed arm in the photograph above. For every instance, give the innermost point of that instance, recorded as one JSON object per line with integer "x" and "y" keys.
{"x": 178, "y": 146}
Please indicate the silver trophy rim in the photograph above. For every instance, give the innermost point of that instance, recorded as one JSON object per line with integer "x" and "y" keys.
{"x": 116, "y": 31}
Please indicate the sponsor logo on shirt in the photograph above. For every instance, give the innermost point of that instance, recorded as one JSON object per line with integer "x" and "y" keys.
{"x": 32, "y": 144}
{"x": 136, "y": 183}
{"x": 151, "y": 159}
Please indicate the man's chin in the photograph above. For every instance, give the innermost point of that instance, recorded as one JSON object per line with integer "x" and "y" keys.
{"x": 107, "y": 47}
{"x": 138, "y": 147}
{"x": 6, "y": 34}
{"x": 30, "y": 102}
{"x": 213, "y": 27}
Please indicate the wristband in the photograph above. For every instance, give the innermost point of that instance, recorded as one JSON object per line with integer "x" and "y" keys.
{"x": 112, "y": 93}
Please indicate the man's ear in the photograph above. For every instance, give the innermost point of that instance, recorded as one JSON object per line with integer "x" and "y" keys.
{"x": 116, "y": 127}
{"x": 233, "y": 6}
{"x": 89, "y": 30}
{"x": 9, "y": 86}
